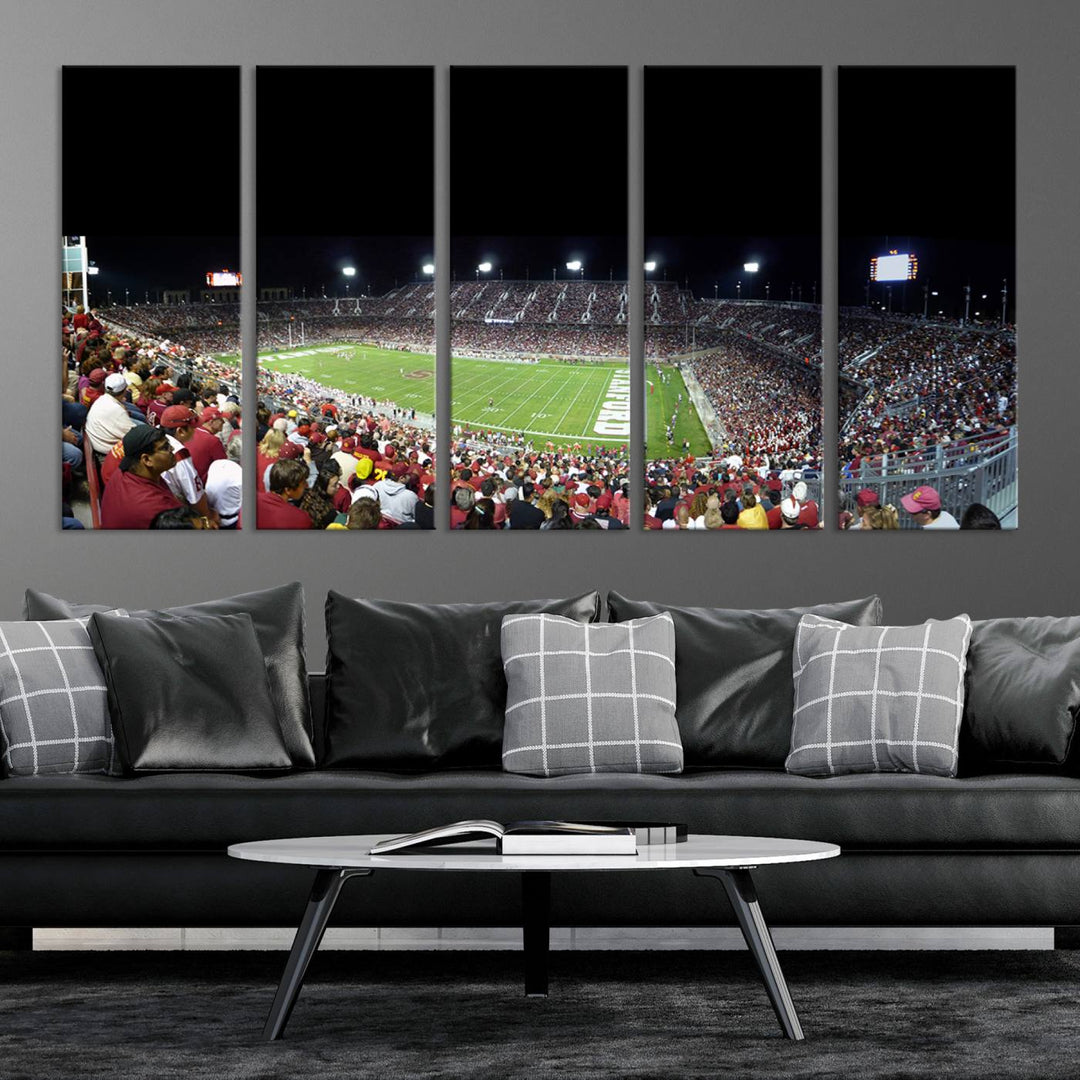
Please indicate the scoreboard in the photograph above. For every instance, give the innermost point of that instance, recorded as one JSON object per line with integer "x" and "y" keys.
{"x": 225, "y": 277}
{"x": 895, "y": 266}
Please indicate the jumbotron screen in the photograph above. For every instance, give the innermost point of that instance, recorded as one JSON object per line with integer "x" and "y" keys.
{"x": 224, "y": 277}
{"x": 894, "y": 267}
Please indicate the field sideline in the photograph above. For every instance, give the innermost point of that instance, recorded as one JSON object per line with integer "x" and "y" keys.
{"x": 659, "y": 405}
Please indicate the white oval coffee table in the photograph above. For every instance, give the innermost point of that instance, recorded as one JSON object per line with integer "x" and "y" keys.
{"x": 729, "y": 859}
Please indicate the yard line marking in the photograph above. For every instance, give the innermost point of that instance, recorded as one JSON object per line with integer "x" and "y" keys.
{"x": 489, "y": 381}
{"x": 567, "y": 381}
{"x": 584, "y": 383}
{"x": 506, "y": 418}
{"x": 489, "y": 391}
{"x": 595, "y": 412}
{"x": 516, "y": 432}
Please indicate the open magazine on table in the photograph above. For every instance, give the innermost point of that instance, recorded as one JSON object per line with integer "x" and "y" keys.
{"x": 541, "y": 837}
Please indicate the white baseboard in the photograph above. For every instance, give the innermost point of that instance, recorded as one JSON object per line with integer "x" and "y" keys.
{"x": 433, "y": 938}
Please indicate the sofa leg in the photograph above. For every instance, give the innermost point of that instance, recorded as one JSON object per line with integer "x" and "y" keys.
{"x": 16, "y": 939}
{"x": 1067, "y": 937}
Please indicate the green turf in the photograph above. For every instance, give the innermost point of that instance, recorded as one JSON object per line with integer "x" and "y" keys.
{"x": 659, "y": 405}
{"x": 550, "y": 401}
{"x": 407, "y": 379}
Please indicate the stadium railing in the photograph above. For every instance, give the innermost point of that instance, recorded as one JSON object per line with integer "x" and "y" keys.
{"x": 93, "y": 480}
{"x": 983, "y": 471}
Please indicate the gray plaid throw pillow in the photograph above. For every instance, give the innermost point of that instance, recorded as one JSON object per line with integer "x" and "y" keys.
{"x": 54, "y": 716}
{"x": 878, "y": 698}
{"x": 589, "y": 697}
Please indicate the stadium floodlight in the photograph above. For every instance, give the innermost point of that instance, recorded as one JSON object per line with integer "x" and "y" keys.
{"x": 751, "y": 267}
{"x": 92, "y": 269}
{"x": 349, "y": 271}
{"x": 650, "y": 266}
{"x": 428, "y": 268}
{"x": 484, "y": 268}
{"x": 574, "y": 264}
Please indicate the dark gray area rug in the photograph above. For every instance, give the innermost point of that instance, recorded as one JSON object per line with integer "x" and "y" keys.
{"x": 97, "y": 1016}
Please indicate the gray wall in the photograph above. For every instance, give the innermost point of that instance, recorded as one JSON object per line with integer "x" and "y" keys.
{"x": 1033, "y": 570}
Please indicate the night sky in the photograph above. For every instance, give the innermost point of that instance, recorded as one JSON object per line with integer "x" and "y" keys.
{"x": 538, "y": 170}
{"x": 160, "y": 218}
{"x": 125, "y": 171}
{"x": 927, "y": 165}
{"x": 733, "y": 175}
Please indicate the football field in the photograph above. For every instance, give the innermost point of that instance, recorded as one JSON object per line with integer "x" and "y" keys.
{"x": 549, "y": 401}
{"x": 659, "y": 405}
{"x": 405, "y": 378}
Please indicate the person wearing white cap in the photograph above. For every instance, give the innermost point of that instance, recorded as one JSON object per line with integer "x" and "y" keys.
{"x": 798, "y": 510}
{"x": 108, "y": 420}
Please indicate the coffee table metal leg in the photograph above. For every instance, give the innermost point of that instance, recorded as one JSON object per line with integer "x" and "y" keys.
{"x": 324, "y": 894}
{"x": 536, "y": 926}
{"x": 743, "y": 896}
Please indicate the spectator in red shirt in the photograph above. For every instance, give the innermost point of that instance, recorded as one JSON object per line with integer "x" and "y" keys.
{"x": 136, "y": 494}
{"x": 203, "y": 444}
{"x": 276, "y": 509}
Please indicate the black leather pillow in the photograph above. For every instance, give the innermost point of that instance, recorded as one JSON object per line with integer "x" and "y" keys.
{"x": 188, "y": 694}
{"x": 1022, "y": 694}
{"x": 278, "y": 616}
{"x": 415, "y": 687}
{"x": 734, "y": 696}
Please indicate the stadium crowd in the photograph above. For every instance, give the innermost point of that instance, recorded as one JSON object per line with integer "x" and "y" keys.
{"x": 727, "y": 494}
{"x": 151, "y": 433}
{"x": 911, "y": 388}
{"x": 495, "y": 485}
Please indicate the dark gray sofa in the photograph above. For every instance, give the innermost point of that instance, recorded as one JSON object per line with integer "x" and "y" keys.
{"x": 1000, "y": 849}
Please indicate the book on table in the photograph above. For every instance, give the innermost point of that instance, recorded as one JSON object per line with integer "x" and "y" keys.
{"x": 523, "y": 838}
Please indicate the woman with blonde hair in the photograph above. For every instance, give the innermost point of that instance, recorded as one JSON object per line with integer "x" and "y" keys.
{"x": 880, "y": 517}
{"x": 268, "y": 451}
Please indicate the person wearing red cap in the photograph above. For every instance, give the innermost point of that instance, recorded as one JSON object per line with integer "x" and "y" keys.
{"x": 581, "y": 507}
{"x": 179, "y": 424}
{"x": 867, "y": 499}
{"x": 924, "y": 504}
{"x": 203, "y": 444}
{"x": 93, "y": 388}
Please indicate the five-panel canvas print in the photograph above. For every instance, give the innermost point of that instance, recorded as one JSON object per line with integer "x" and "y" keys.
{"x": 726, "y": 385}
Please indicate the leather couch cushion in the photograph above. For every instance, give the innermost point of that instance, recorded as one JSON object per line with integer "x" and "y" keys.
{"x": 877, "y": 811}
{"x": 421, "y": 686}
{"x": 188, "y": 694}
{"x": 1022, "y": 694}
{"x": 278, "y": 617}
{"x": 733, "y": 675}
